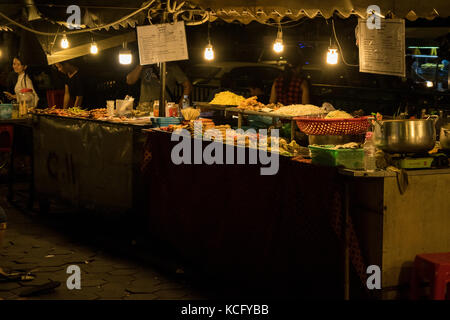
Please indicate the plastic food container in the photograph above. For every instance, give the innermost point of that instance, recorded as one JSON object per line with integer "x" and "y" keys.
{"x": 6, "y": 111}
{"x": 348, "y": 158}
{"x": 26, "y": 101}
{"x": 165, "y": 121}
{"x": 172, "y": 110}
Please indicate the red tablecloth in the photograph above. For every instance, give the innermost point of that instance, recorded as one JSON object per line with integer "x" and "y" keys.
{"x": 232, "y": 220}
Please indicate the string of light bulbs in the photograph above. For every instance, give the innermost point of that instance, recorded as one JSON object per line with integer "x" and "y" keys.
{"x": 105, "y": 26}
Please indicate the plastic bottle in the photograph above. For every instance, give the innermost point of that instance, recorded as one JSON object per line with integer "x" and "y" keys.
{"x": 370, "y": 164}
{"x": 186, "y": 102}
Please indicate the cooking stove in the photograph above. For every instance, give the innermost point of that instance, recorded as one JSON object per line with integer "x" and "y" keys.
{"x": 422, "y": 160}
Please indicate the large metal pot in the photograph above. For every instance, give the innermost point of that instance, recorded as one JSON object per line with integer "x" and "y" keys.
{"x": 444, "y": 137}
{"x": 334, "y": 140}
{"x": 405, "y": 136}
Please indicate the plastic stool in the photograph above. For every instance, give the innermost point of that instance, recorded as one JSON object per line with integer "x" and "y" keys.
{"x": 434, "y": 267}
{"x": 6, "y": 138}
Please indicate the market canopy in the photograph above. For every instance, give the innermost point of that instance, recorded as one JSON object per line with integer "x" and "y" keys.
{"x": 246, "y": 11}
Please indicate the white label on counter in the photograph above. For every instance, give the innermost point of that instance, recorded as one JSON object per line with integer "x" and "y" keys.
{"x": 162, "y": 43}
{"x": 382, "y": 51}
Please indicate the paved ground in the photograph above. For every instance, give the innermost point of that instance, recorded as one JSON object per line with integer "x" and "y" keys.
{"x": 47, "y": 251}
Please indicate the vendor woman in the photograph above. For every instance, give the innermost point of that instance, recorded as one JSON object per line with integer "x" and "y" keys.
{"x": 291, "y": 87}
{"x": 20, "y": 80}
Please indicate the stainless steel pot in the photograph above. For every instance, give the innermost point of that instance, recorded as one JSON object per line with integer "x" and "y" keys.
{"x": 334, "y": 140}
{"x": 405, "y": 136}
{"x": 444, "y": 137}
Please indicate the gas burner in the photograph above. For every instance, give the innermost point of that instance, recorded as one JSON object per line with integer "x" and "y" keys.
{"x": 411, "y": 155}
{"x": 421, "y": 160}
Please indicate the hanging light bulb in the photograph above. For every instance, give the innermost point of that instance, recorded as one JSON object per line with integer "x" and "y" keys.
{"x": 209, "y": 52}
{"x": 125, "y": 56}
{"x": 332, "y": 56}
{"x": 94, "y": 48}
{"x": 64, "y": 42}
{"x": 278, "y": 46}
{"x": 430, "y": 84}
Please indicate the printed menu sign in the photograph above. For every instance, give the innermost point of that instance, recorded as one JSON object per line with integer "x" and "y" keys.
{"x": 382, "y": 51}
{"x": 162, "y": 43}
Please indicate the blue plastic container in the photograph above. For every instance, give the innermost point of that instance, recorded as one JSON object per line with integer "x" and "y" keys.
{"x": 6, "y": 111}
{"x": 165, "y": 121}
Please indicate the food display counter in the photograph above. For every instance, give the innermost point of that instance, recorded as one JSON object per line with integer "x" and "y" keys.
{"x": 87, "y": 163}
{"x": 307, "y": 225}
{"x": 242, "y": 112}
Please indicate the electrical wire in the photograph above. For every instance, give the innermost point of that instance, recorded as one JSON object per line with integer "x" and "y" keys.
{"x": 275, "y": 25}
{"x": 205, "y": 17}
{"x": 340, "y": 48}
{"x": 77, "y": 31}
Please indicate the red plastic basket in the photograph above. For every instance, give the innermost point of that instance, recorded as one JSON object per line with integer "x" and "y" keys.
{"x": 333, "y": 127}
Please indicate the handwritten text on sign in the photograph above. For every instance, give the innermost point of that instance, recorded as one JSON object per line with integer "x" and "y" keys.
{"x": 382, "y": 51}
{"x": 162, "y": 43}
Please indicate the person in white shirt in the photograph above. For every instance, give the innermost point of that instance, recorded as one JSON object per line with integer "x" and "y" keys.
{"x": 23, "y": 81}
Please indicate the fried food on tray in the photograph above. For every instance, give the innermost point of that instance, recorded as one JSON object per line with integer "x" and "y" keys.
{"x": 251, "y": 104}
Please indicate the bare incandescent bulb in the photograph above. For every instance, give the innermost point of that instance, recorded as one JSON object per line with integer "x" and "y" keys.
{"x": 94, "y": 48}
{"x": 64, "y": 42}
{"x": 125, "y": 56}
{"x": 278, "y": 46}
{"x": 209, "y": 52}
{"x": 332, "y": 56}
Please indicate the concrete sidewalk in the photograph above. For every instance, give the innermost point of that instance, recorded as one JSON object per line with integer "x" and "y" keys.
{"x": 47, "y": 252}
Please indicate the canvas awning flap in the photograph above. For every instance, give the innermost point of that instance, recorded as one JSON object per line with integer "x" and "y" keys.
{"x": 263, "y": 10}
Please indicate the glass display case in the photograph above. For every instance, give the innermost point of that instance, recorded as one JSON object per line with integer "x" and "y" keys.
{"x": 428, "y": 69}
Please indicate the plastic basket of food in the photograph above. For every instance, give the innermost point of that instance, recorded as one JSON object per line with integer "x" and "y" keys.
{"x": 323, "y": 126}
{"x": 330, "y": 157}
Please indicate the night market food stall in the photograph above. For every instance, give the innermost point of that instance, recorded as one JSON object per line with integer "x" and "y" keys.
{"x": 230, "y": 218}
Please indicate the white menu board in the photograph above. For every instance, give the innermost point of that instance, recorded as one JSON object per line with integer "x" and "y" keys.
{"x": 382, "y": 51}
{"x": 162, "y": 43}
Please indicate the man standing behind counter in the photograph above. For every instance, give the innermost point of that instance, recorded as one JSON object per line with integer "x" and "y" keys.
{"x": 151, "y": 84}
{"x": 75, "y": 91}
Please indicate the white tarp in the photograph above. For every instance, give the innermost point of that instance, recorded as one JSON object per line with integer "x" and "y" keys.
{"x": 246, "y": 11}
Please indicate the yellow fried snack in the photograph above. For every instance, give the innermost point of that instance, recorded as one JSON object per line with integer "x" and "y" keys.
{"x": 227, "y": 98}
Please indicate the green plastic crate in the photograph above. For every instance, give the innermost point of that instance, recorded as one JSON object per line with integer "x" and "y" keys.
{"x": 348, "y": 158}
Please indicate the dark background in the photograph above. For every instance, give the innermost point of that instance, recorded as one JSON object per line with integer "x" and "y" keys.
{"x": 310, "y": 38}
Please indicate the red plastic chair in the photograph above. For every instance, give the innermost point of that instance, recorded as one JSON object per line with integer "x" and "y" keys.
{"x": 6, "y": 138}
{"x": 434, "y": 267}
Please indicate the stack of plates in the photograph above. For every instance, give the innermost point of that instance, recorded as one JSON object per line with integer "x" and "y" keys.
{"x": 165, "y": 121}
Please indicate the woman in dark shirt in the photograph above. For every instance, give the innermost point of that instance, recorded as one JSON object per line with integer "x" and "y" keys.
{"x": 290, "y": 87}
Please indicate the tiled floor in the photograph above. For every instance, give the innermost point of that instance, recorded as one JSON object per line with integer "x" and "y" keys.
{"x": 46, "y": 252}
